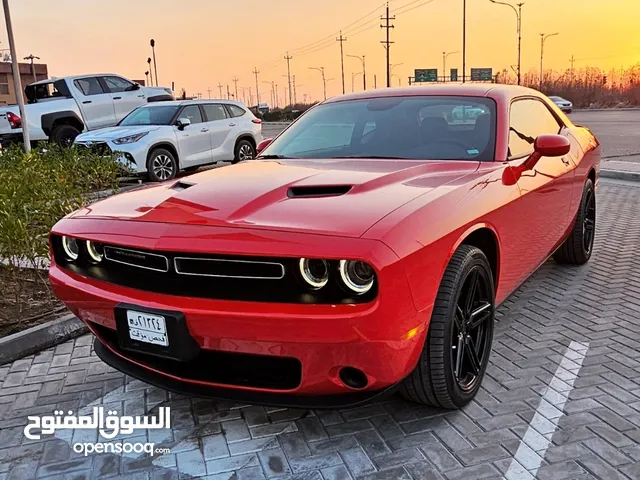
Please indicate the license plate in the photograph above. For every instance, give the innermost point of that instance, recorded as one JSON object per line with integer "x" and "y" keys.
{"x": 147, "y": 328}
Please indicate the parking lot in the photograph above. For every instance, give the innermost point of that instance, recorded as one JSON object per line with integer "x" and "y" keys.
{"x": 561, "y": 398}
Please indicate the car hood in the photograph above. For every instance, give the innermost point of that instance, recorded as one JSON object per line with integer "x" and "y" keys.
{"x": 331, "y": 197}
{"x": 111, "y": 133}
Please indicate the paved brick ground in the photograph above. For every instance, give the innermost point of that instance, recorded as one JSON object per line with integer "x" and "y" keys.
{"x": 597, "y": 434}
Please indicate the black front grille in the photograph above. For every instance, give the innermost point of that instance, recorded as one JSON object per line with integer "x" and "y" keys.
{"x": 227, "y": 268}
{"x": 98, "y": 148}
{"x": 225, "y": 368}
{"x": 137, "y": 258}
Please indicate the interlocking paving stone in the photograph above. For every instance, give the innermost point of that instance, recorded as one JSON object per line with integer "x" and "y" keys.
{"x": 597, "y": 433}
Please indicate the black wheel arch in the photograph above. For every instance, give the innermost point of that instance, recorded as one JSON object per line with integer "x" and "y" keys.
{"x": 167, "y": 146}
{"x": 67, "y": 117}
{"x": 247, "y": 137}
{"x": 486, "y": 240}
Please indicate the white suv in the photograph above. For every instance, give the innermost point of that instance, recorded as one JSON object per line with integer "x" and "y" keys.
{"x": 165, "y": 137}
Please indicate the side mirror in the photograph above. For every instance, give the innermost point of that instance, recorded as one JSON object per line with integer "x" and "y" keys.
{"x": 183, "y": 123}
{"x": 263, "y": 144}
{"x": 552, "y": 145}
{"x": 133, "y": 88}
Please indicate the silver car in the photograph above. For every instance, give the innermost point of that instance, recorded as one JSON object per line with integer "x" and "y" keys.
{"x": 565, "y": 105}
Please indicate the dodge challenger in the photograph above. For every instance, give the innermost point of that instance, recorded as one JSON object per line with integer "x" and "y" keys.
{"x": 363, "y": 252}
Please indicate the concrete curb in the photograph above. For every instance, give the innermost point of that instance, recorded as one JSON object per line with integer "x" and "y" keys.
{"x": 621, "y": 175}
{"x": 612, "y": 109}
{"x": 40, "y": 337}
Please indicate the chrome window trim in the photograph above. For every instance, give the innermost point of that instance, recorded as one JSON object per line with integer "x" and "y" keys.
{"x": 177, "y": 270}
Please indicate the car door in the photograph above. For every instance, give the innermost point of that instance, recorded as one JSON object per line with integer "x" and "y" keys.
{"x": 220, "y": 127}
{"x": 547, "y": 189}
{"x": 95, "y": 103}
{"x": 126, "y": 97}
{"x": 194, "y": 141}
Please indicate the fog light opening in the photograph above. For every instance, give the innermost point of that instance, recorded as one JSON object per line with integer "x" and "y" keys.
{"x": 353, "y": 378}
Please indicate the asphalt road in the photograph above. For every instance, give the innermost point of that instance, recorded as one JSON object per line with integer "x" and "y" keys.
{"x": 617, "y": 130}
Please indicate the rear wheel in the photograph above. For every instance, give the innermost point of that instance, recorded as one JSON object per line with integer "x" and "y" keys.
{"x": 458, "y": 345}
{"x": 64, "y": 135}
{"x": 162, "y": 165}
{"x": 577, "y": 249}
{"x": 244, "y": 151}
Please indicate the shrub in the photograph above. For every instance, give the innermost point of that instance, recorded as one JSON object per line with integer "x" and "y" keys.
{"x": 38, "y": 189}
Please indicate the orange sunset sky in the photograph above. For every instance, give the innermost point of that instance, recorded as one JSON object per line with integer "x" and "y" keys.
{"x": 203, "y": 42}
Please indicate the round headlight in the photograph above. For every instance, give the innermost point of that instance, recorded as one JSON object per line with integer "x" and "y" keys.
{"x": 95, "y": 251}
{"x": 357, "y": 276}
{"x": 314, "y": 272}
{"x": 70, "y": 247}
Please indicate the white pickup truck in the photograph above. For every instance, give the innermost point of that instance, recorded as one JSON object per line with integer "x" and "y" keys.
{"x": 58, "y": 109}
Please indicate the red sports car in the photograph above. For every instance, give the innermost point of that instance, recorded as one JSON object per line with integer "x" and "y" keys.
{"x": 364, "y": 251}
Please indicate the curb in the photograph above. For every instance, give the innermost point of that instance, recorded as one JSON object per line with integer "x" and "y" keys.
{"x": 40, "y": 337}
{"x": 612, "y": 109}
{"x": 620, "y": 175}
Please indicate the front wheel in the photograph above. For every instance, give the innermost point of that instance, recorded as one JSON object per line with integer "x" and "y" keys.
{"x": 244, "y": 151}
{"x": 162, "y": 165}
{"x": 577, "y": 249}
{"x": 456, "y": 352}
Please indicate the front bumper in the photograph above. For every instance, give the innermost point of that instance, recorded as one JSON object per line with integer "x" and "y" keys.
{"x": 132, "y": 156}
{"x": 383, "y": 338}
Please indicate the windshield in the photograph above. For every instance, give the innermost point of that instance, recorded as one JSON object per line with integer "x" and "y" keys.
{"x": 156, "y": 115}
{"x": 420, "y": 127}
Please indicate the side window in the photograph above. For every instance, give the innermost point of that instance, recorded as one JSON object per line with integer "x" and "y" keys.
{"x": 214, "y": 112}
{"x": 117, "y": 84}
{"x": 236, "y": 111}
{"x": 192, "y": 112}
{"x": 89, "y": 86}
{"x": 528, "y": 120}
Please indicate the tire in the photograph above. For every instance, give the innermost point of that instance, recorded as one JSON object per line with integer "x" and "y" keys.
{"x": 578, "y": 247}
{"x": 244, "y": 151}
{"x": 433, "y": 381}
{"x": 64, "y": 135}
{"x": 162, "y": 165}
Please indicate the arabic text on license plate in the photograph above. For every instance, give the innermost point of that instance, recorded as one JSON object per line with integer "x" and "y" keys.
{"x": 147, "y": 328}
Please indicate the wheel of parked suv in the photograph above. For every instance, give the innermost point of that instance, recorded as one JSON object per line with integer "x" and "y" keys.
{"x": 456, "y": 351}
{"x": 64, "y": 135}
{"x": 577, "y": 249}
{"x": 162, "y": 165}
{"x": 244, "y": 151}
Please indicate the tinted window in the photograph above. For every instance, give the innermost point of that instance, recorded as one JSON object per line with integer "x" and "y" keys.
{"x": 42, "y": 91}
{"x": 425, "y": 127}
{"x": 236, "y": 111}
{"x": 89, "y": 86}
{"x": 192, "y": 112}
{"x": 214, "y": 112}
{"x": 117, "y": 84}
{"x": 156, "y": 115}
{"x": 528, "y": 120}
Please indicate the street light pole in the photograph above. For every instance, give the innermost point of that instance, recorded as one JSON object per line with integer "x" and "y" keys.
{"x": 17, "y": 83}
{"x": 324, "y": 81}
{"x": 543, "y": 37}
{"x": 31, "y": 57}
{"x": 364, "y": 69}
{"x": 444, "y": 63}
{"x": 464, "y": 40}
{"x": 155, "y": 65}
{"x": 519, "y": 26}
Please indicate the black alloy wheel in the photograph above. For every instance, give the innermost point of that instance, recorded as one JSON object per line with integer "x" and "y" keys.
{"x": 578, "y": 247}
{"x": 458, "y": 344}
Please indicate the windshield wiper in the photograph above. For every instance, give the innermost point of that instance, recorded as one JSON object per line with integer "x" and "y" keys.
{"x": 271, "y": 157}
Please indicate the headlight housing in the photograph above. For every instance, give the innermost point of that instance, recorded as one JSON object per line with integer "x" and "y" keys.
{"x": 314, "y": 272}
{"x": 94, "y": 251}
{"x": 70, "y": 248}
{"x": 130, "y": 138}
{"x": 357, "y": 276}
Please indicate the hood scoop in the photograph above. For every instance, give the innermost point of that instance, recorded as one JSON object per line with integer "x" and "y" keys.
{"x": 180, "y": 186}
{"x": 318, "y": 191}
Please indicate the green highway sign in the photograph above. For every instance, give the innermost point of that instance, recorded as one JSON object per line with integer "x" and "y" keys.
{"x": 426, "y": 75}
{"x": 454, "y": 75}
{"x": 481, "y": 74}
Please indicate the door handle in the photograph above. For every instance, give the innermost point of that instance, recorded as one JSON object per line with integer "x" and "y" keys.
{"x": 140, "y": 96}
{"x": 117, "y": 98}
{"x": 204, "y": 130}
{"x": 87, "y": 101}
{"x": 232, "y": 124}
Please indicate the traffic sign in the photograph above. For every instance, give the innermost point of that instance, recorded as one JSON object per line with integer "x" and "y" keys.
{"x": 426, "y": 75}
{"x": 481, "y": 74}
{"x": 454, "y": 75}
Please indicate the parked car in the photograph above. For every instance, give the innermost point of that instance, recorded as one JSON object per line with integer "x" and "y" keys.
{"x": 160, "y": 139}
{"x": 366, "y": 248}
{"x": 565, "y": 105}
{"x": 58, "y": 109}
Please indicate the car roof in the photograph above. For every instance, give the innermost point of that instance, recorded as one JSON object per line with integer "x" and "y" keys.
{"x": 196, "y": 102}
{"x": 490, "y": 90}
